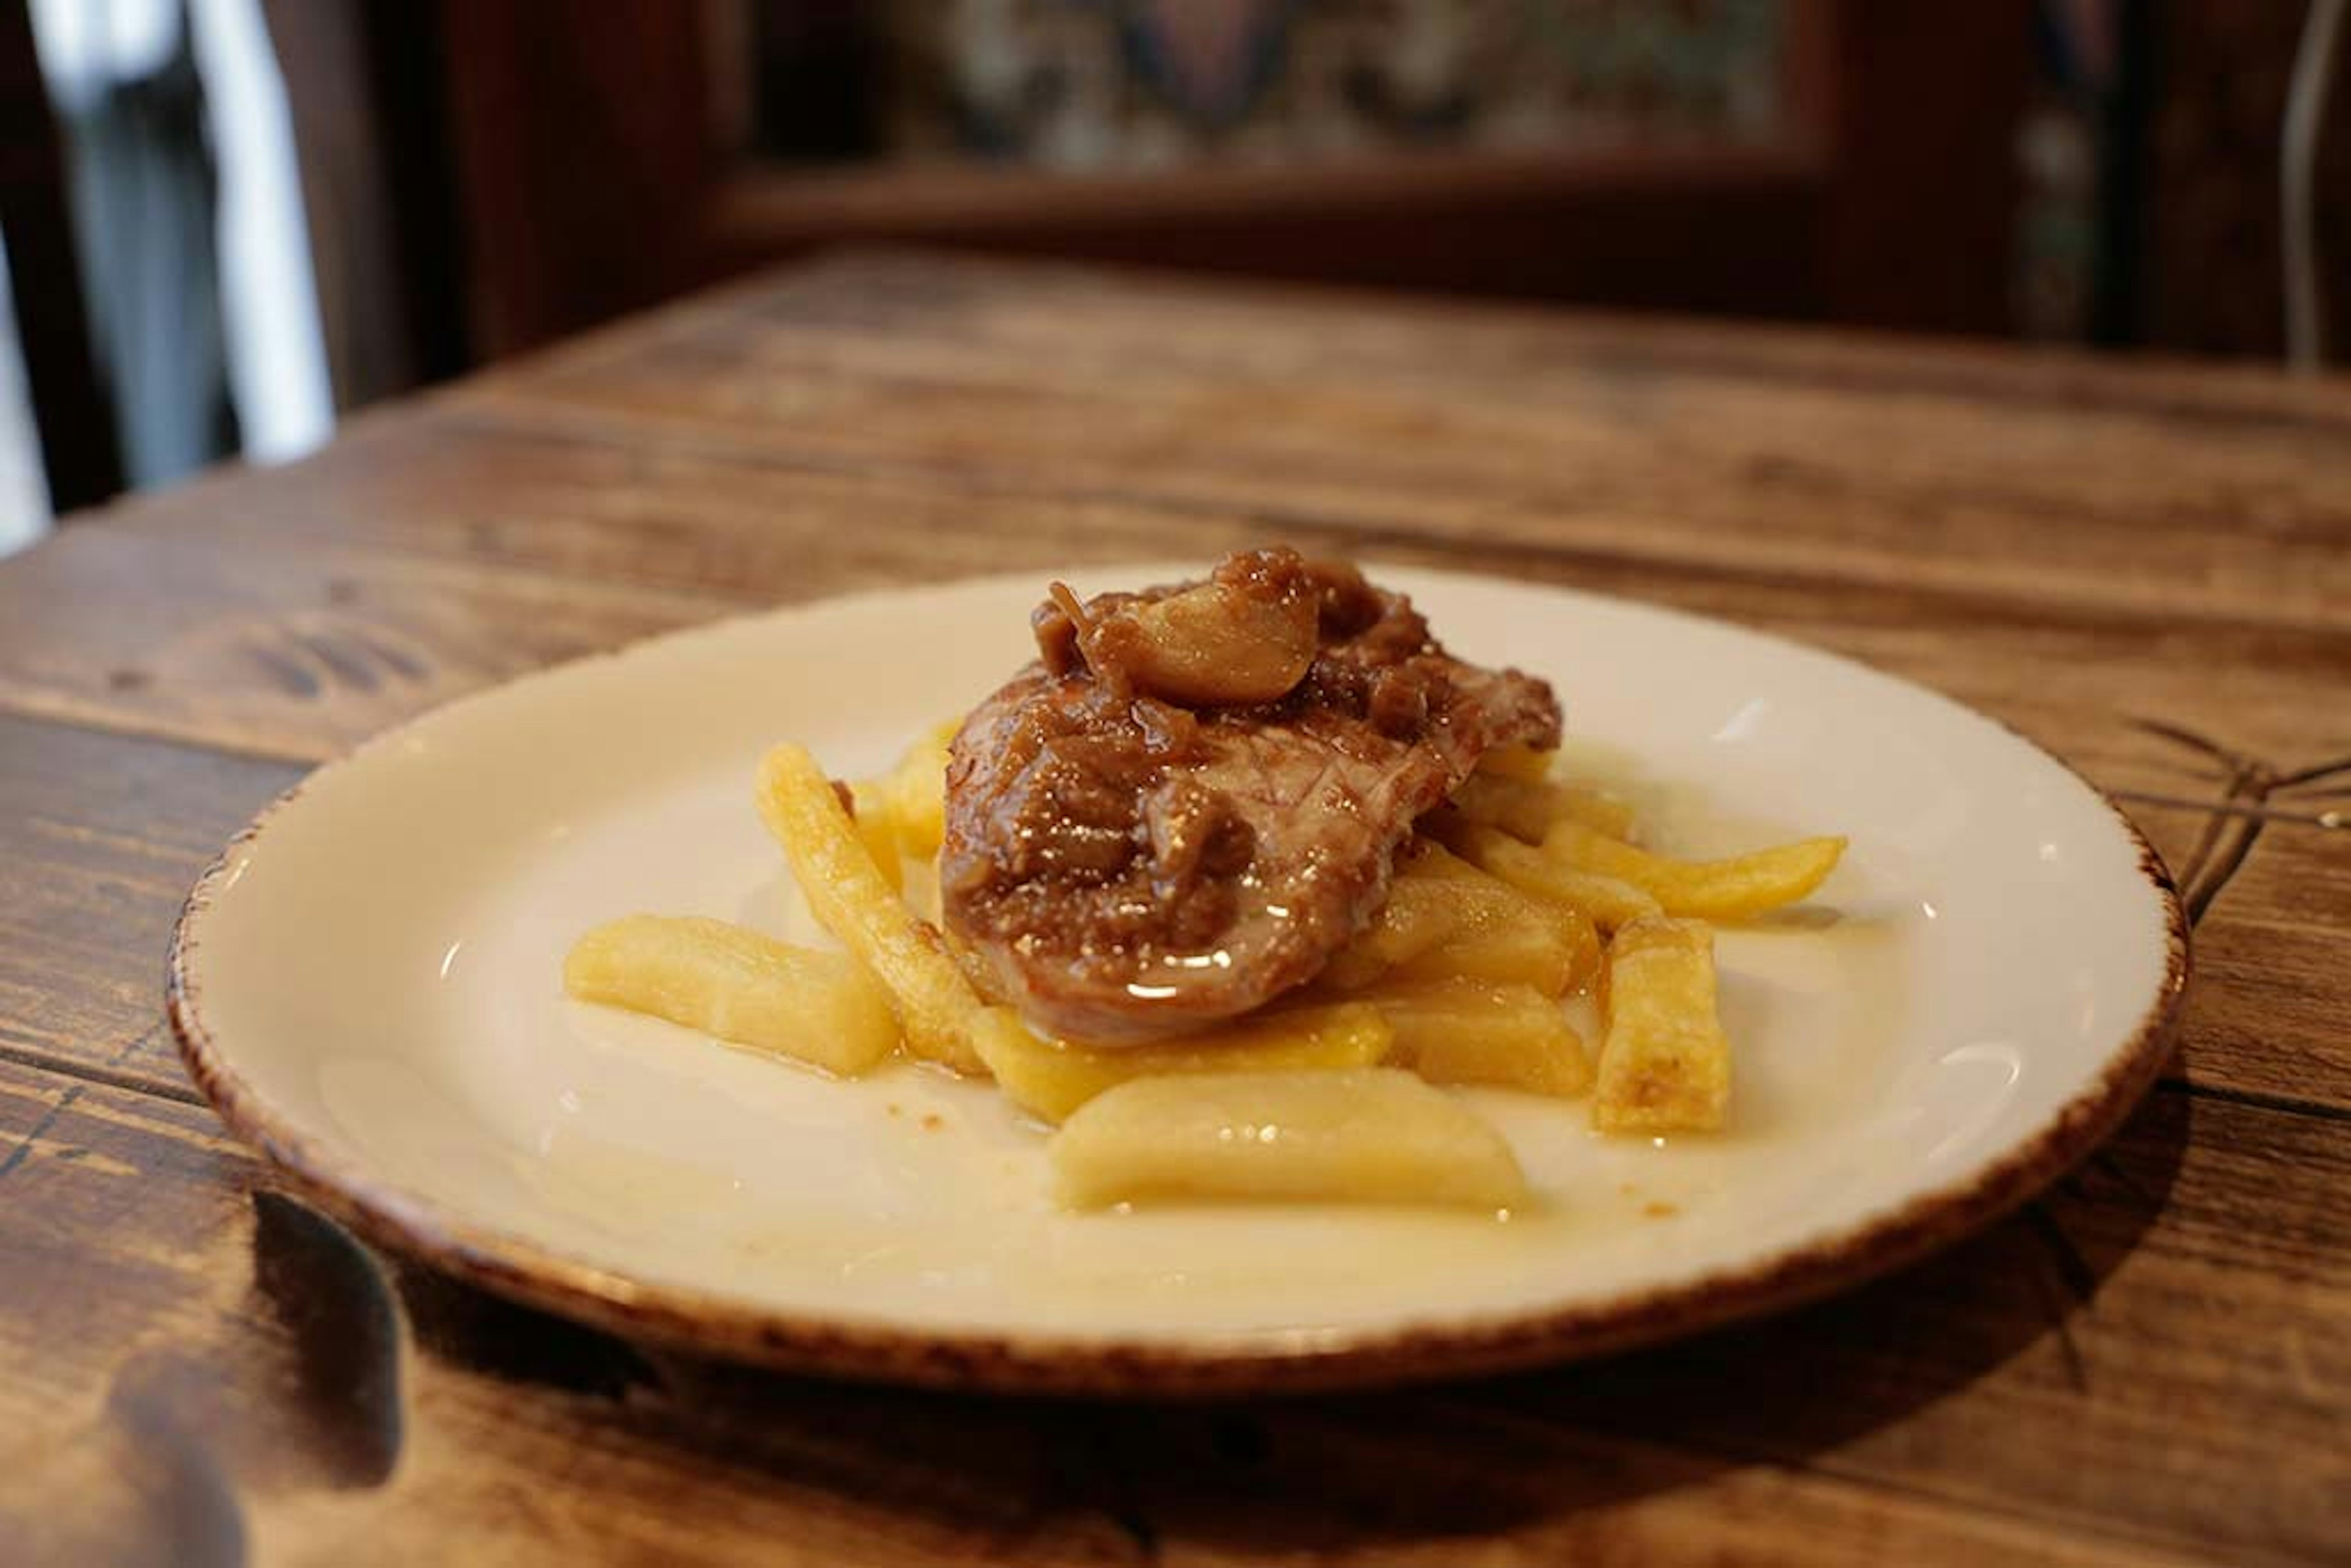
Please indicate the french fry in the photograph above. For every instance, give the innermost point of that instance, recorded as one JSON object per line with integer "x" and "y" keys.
{"x": 1445, "y": 917}
{"x": 820, "y": 1008}
{"x": 1518, "y": 762}
{"x": 936, "y": 1007}
{"x": 1526, "y": 810}
{"x": 1548, "y": 947}
{"x": 1374, "y": 1135}
{"x": 1522, "y": 808}
{"x": 1419, "y": 916}
{"x": 1593, "y": 810}
{"x": 1432, "y": 895}
{"x": 1463, "y": 1031}
{"x": 917, "y": 792}
{"x": 1665, "y": 1063}
{"x": 1503, "y": 933}
{"x": 1734, "y": 889}
{"x": 1053, "y": 1077}
{"x": 921, "y": 889}
{"x": 1608, "y": 901}
{"x": 877, "y": 828}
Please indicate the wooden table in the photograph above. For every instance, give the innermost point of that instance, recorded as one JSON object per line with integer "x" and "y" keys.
{"x": 2147, "y": 570}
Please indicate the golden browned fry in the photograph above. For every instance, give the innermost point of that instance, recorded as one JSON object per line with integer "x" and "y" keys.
{"x": 1463, "y": 1031}
{"x": 820, "y": 1008}
{"x": 936, "y": 1006}
{"x": 1608, "y": 901}
{"x": 1053, "y": 1077}
{"x": 1371, "y": 1135}
{"x": 1734, "y": 889}
{"x": 1665, "y": 1063}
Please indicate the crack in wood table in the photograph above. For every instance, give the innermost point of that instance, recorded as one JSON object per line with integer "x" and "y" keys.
{"x": 2145, "y": 567}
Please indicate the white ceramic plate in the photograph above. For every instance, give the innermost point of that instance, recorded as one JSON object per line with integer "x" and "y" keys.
{"x": 367, "y": 986}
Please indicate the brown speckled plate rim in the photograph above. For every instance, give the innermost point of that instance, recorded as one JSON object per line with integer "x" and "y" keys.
{"x": 1207, "y": 1366}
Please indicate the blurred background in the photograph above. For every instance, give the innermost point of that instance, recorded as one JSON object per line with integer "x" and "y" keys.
{"x": 228, "y": 223}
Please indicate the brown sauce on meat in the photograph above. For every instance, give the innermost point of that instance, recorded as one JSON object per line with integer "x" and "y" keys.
{"x": 1129, "y": 856}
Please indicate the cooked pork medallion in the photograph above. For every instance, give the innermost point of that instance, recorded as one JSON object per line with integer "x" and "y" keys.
{"x": 1193, "y": 797}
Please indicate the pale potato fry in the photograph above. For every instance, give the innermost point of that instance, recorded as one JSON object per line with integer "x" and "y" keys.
{"x": 1463, "y": 1031}
{"x": 1053, "y": 1077}
{"x": 1503, "y": 933}
{"x": 917, "y": 790}
{"x": 1518, "y": 762}
{"x": 1444, "y": 917}
{"x": 1665, "y": 1063}
{"x": 922, "y": 893}
{"x": 1427, "y": 905}
{"x": 1608, "y": 901}
{"x": 1734, "y": 889}
{"x": 1605, "y": 813}
{"x": 877, "y": 828}
{"x": 1549, "y": 946}
{"x": 820, "y": 1008}
{"x": 1420, "y": 914}
{"x": 1522, "y": 808}
{"x": 936, "y": 1007}
{"x": 1526, "y": 809}
{"x": 1371, "y": 1135}
{"x": 1430, "y": 861}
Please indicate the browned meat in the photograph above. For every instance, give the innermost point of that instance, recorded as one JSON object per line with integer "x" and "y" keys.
{"x": 1195, "y": 797}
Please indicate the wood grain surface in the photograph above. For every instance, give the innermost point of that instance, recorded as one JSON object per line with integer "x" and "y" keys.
{"x": 2147, "y": 569}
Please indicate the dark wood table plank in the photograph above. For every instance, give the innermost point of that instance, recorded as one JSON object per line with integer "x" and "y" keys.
{"x": 295, "y": 653}
{"x": 179, "y": 1307}
{"x": 100, "y": 837}
{"x": 1507, "y": 429}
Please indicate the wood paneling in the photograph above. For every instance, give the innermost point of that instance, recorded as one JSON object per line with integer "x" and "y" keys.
{"x": 589, "y": 182}
{"x": 577, "y": 137}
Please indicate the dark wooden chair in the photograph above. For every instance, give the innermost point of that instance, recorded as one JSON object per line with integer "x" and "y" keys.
{"x": 79, "y": 451}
